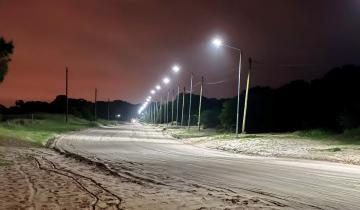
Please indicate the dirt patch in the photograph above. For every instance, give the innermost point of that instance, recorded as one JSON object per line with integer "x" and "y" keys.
{"x": 13, "y": 142}
{"x": 40, "y": 178}
{"x": 282, "y": 146}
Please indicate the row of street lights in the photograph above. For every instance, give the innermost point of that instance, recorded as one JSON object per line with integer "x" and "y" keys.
{"x": 217, "y": 42}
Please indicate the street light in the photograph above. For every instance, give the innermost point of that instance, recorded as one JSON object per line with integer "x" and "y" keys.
{"x": 218, "y": 43}
{"x": 176, "y": 68}
{"x": 166, "y": 80}
{"x": 152, "y": 92}
{"x": 158, "y": 87}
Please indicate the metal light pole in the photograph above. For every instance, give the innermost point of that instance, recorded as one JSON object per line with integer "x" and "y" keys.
{"x": 238, "y": 97}
{"x": 177, "y": 104}
{"x": 218, "y": 43}
{"x": 160, "y": 107}
{"x": 66, "y": 92}
{"x": 191, "y": 83}
{"x": 167, "y": 109}
{"x": 108, "y": 109}
{"x": 246, "y": 96}
{"x": 95, "y": 108}
{"x": 164, "y": 108}
{"x": 154, "y": 115}
{"x": 182, "y": 107}
{"x": 200, "y": 100}
{"x": 172, "y": 107}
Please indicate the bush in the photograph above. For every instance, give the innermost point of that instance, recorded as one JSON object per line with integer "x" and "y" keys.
{"x": 210, "y": 118}
{"x": 227, "y": 116}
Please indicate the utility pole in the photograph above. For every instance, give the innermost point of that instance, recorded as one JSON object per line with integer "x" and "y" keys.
{"x": 200, "y": 100}
{"x": 95, "y": 108}
{"x": 177, "y": 104}
{"x": 246, "y": 96}
{"x": 182, "y": 107}
{"x": 161, "y": 110}
{"x": 238, "y": 97}
{"x": 164, "y": 108}
{"x": 189, "y": 118}
{"x": 172, "y": 107}
{"x": 108, "y": 109}
{"x": 156, "y": 113}
{"x": 167, "y": 109}
{"x": 150, "y": 112}
{"x": 66, "y": 93}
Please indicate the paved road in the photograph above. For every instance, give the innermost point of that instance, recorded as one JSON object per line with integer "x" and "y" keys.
{"x": 147, "y": 154}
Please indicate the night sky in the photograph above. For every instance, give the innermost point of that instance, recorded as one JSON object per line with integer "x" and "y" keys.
{"x": 125, "y": 47}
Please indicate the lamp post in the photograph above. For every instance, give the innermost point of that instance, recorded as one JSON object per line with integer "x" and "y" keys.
{"x": 160, "y": 111}
{"x": 167, "y": 109}
{"x": 200, "y": 100}
{"x": 95, "y": 102}
{"x": 176, "y": 69}
{"x": 66, "y": 93}
{"x": 218, "y": 43}
{"x": 182, "y": 107}
{"x": 177, "y": 104}
{"x": 166, "y": 81}
{"x": 172, "y": 107}
{"x": 191, "y": 84}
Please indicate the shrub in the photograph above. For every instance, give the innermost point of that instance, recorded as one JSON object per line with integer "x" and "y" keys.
{"x": 210, "y": 118}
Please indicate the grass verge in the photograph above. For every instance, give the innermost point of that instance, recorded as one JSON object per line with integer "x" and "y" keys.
{"x": 40, "y": 130}
{"x": 350, "y": 136}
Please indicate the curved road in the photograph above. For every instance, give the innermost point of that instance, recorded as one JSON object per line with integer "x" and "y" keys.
{"x": 145, "y": 153}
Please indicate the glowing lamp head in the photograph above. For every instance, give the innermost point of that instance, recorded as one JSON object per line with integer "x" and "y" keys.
{"x": 158, "y": 87}
{"x": 152, "y": 92}
{"x": 176, "y": 68}
{"x": 166, "y": 80}
{"x": 217, "y": 42}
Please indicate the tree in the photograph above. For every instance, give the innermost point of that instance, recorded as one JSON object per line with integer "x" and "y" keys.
{"x": 6, "y": 49}
{"x": 210, "y": 118}
{"x": 227, "y": 116}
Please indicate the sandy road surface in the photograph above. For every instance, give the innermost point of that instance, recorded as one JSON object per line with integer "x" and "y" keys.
{"x": 188, "y": 177}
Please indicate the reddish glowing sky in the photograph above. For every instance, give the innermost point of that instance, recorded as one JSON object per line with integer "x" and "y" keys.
{"x": 124, "y": 47}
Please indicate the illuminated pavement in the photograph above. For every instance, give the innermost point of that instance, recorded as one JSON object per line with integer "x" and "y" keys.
{"x": 145, "y": 153}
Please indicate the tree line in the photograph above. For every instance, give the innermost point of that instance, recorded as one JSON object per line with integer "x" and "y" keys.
{"x": 112, "y": 110}
{"x": 331, "y": 103}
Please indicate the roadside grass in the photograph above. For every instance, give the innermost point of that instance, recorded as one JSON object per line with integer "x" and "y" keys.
{"x": 4, "y": 163}
{"x": 311, "y": 144}
{"x": 350, "y": 136}
{"x": 38, "y": 131}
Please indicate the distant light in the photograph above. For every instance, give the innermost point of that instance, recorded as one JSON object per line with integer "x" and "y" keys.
{"x": 152, "y": 92}
{"x": 166, "y": 80}
{"x": 118, "y": 115}
{"x": 158, "y": 87}
{"x": 217, "y": 42}
{"x": 176, "y": 68}
{"x": 133, "y": 120}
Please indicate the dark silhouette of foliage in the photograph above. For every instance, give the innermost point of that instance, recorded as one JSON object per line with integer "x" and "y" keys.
{"x": 6, "y": 49}
{"x": 210, "y": 118}
{"x": 329, "y": 103}
{"x": 77, "y": 107}
{"x": 227, "y": 115}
